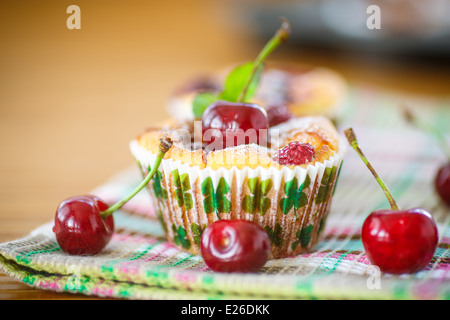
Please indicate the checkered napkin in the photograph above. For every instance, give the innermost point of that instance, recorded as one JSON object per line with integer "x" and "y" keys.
{"x": 139, "y": 264}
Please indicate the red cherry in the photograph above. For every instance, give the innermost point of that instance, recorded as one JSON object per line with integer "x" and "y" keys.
{"x": 397, "y": 241}
{"x": 400, "y": 241}
{"x": 244, "y": 123}
{"x": 442, "y": 183}
{"x": 278, "y": 114}
{"x": 235, "y": 246}
{"x": 84, "y": 224}
{"x": 79, "y": 227}
{"x": 295, "y": 153}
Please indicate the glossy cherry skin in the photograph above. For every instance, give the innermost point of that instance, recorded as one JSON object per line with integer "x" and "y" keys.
{"x": 400, "y": 241}
{"x": 79, "y": 227}
{"x": 442, "y": 183}
{"x": 278, "y": 114}
{"x": 243, "y": 122}
{"x": 235, "y": 246}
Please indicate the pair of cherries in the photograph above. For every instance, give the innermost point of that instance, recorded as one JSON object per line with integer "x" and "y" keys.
{"x": 397, "y": 241}
{"x": 227, "y": 245}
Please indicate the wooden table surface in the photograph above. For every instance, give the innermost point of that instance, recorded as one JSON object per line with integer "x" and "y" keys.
{"x": 70, "y": 100}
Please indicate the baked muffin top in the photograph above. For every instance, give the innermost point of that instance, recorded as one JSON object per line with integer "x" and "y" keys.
{"x": 188, "y": 148}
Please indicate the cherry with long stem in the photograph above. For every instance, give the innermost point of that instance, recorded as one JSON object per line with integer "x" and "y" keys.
{"x": 222, "y": 117}
{"x": 397, "y": 241}
{"x": 84, "y": 224}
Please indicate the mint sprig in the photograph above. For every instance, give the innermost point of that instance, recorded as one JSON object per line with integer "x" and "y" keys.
{"x": 242, "y": 82}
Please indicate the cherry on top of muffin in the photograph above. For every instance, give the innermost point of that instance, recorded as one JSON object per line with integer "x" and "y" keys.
{"x": 229, "y": 118}
{"x": 229, "y": 111}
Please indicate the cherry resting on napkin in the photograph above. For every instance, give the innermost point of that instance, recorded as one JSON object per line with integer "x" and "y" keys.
{"x": 397, "y": 241}
{"x": 84, "y": 224}
{"x": 79, "y": 227}
{"x": 235, "y": 246}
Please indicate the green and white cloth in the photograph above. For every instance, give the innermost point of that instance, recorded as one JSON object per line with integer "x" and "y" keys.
{"x": 139, "y": 264}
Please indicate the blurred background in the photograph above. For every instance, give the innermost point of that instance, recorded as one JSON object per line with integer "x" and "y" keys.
{"x": 71, "y": 100}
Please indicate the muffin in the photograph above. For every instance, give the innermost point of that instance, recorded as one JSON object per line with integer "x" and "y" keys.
{"x": 196, "y": 186}
{"x": 303, "y": 90}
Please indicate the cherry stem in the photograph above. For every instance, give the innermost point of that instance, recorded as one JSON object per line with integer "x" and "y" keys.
{"x": 411, "y": 118}
{"x": 164, "y": 146}
{"x": 280, "y": 37}
{"x": 351, "y": 137}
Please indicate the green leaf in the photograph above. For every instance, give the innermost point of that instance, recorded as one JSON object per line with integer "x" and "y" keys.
{"x": 253, "y": 184}
{"x": 233, "y": 87}
{"x": 305, "y": 235}
{"x": 216, "y": 201}
{"x": 257, "y": 200}
{"x": 187, "y": 199}
{"x": 186, "y": 186}
{"x": 303, "y": 201}
{"x": 275, "y": 234}
{"x": 182, "y": 185}
{"x": 158, "y": 189}
{"x": 237, "y": 80}
{"x": 248, "y": 204}
{"x": 223, "y": 205}
{"x": 185, "y": 183}
{"x": 202, "y": 101}
{"x": 176, "y": 178}
{"x": 290, "y": 188}
{"x": 207, "y": 187}
{"x": 222, "y": 186}
{"x": 286, "y": 205}
{"x": 242, "y": 82}
{"x": 197, "y": 231}
{"x": 180, "y": 237}
{"x": 307, "y": 182}
{"x": 295, "y": 195}
{"x": 179, "y": 197}
{"x": 265, "y": 187}
{"x": 264, "y": 205}
{"x": 325, "y": 185}
{"x": 208, "y": 193}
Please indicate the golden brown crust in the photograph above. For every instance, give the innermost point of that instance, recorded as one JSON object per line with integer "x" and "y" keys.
{"x": 317, "y": 131}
